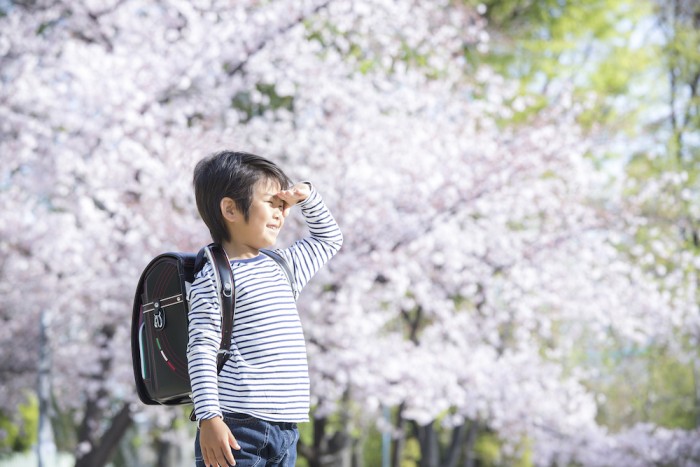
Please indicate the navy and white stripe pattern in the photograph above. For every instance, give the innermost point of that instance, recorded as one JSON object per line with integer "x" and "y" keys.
{"x": 267, "y": 375}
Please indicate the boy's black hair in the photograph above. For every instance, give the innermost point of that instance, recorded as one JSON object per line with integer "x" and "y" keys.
{"x": 229, "y": 174}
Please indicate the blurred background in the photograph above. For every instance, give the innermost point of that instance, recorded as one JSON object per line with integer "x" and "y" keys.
{"x": 517, "y": 182}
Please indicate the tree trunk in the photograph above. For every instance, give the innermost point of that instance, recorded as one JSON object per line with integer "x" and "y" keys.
{"x": 358, "y": 452}
{"x": 399, "y": 442}
{"x": 165, "y": 453}
{"x": 432, "y": 454}
{"x": 46, "y": 446}
{"x": 429, "y": 446}
{"x": 101, "y": 445}
{"x": 696, "y": 383}
{"x": 456, "y": 445}
{"x": 469, "y": 458}
{"x": 102, "y": 452}
{"x": 311, "y": 453}
{"x": 327, "y": 450}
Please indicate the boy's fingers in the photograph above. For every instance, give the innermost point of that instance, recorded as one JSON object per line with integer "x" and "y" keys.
{"x": 227, "y": 457}
{"x": 223, "y": 458}
{"x": 292, "y": 195}
{"x": 219, "y": 457}
{"x": 232, "y": 441}
{"x": 209, "y": 458}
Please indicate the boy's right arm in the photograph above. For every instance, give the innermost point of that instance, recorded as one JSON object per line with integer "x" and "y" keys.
{"x": 204, "y": 331}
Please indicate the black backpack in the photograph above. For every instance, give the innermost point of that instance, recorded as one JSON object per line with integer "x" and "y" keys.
{"x": 159, "y": 321}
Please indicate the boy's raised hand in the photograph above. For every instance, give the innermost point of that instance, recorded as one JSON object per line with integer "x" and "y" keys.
{"x": 216, "y": 441}
{"x": 296, "y": 194}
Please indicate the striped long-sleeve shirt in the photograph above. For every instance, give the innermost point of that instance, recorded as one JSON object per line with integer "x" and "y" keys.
{"x": 266, "y": 375}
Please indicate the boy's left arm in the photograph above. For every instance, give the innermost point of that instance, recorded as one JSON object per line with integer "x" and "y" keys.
{"x": 309, "y": 254}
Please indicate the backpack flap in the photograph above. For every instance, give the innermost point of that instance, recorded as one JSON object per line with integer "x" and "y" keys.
{"x": 159, "y": 330}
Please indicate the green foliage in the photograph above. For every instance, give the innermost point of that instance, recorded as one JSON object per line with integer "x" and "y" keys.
{"x": 591, "y": 45}
{"x": 270, "y": 100}
{"x": 613, "y": 78}
{"x": 29, "y": 414}
{"x": 488, "y": 452}
{"x": 64, "y": 429}
{"x": 370, "y": 58}
{"x": 488, "y": 449}
{"x": 615, "y": 72}
{"x": 554, "y": 37}
{"x": 372, "y": 448}
{"x": 585, "y": 44}
{"x": 317, "y": 32}
{"x": 526, "y": 459}
{"x": 411, "y": 453}
{"x": 20, "y": 431}
{"x": 533, "y": 109}
{"x": 682, "y": 61}
{"x": 672, "y": 392}
{"x": 645, "y": 384}
{"x": 306, "y": 433}
{"x": 682, "y": 52}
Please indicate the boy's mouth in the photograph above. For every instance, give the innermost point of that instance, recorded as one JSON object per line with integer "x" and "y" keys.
{"x": 274, "y": 227}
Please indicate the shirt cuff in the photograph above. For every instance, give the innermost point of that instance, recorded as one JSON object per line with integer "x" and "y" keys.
{"x": 208, "y": 416}
{"x": 312, "y": 194}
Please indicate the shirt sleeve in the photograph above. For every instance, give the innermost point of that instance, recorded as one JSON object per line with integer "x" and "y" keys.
{"x": 309, "y": 254}
{"x": 204, "y": 332}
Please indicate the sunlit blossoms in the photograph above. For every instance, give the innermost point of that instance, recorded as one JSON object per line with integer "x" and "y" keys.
{"x": 478, "y": 255}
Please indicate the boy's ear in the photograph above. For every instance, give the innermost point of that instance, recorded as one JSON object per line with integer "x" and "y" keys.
{"x": 228, "y": 209}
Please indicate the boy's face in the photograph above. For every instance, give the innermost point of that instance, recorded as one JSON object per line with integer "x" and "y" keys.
{"x": 265, "y": 217}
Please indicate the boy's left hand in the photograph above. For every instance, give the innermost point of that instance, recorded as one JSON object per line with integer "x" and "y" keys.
{"x": 294, "y": 195}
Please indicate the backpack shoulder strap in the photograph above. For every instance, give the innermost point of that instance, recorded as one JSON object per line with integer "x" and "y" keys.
{"x": 223, "y": 278}
{"x": 226, "y": 293}
{"x": 286, "y": 269}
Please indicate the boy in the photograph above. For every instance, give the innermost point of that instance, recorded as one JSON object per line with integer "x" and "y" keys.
{"x": 262, "y": 391}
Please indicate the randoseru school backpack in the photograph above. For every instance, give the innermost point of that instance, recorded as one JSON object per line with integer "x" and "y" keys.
{"x": 159, "y": 321}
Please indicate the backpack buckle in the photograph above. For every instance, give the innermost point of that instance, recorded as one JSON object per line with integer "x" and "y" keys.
{"x": 158, "y": 316}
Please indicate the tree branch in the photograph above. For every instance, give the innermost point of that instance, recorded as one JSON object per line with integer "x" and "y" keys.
{"x": 262, "y": 43}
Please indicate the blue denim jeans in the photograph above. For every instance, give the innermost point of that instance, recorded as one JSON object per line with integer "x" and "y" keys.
{"x": 263, "y": 444}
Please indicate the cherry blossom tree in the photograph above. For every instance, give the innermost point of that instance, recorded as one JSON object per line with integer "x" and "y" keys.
{"x": 479, "y": 255}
